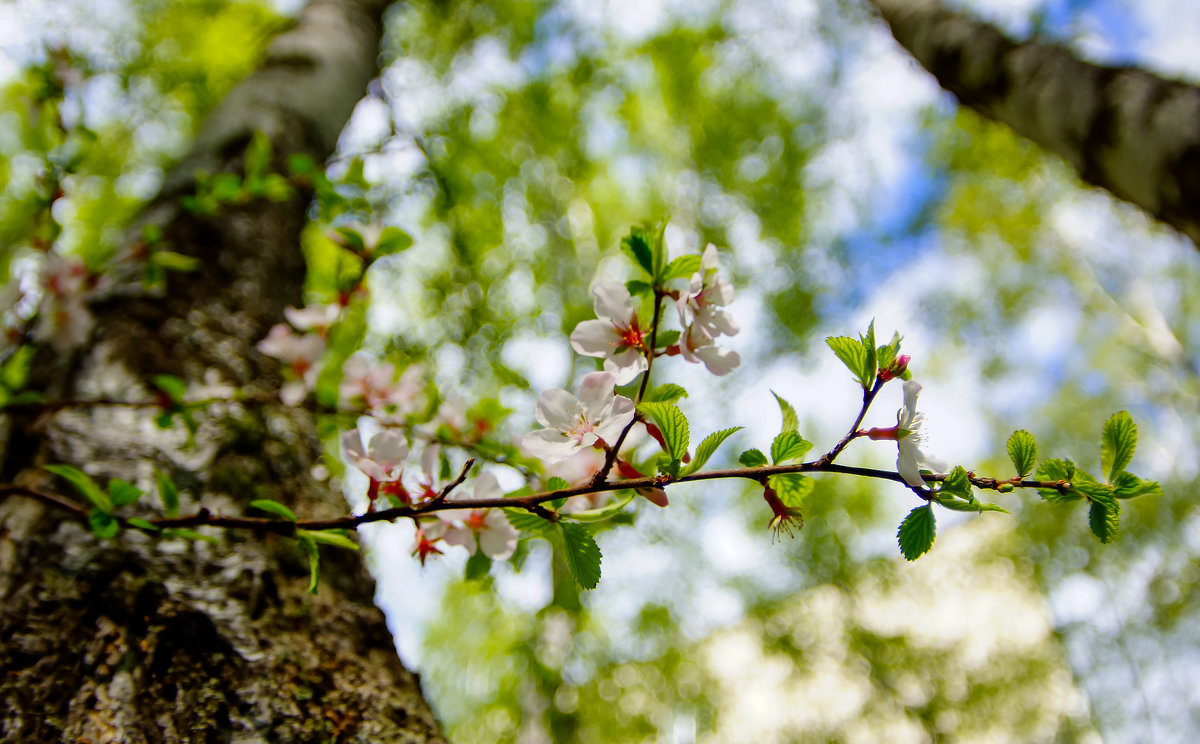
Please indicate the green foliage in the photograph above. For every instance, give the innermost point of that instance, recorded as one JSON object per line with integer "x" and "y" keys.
{"x": 524, "y": 520}
{"x": 84, "y": 484}
{"x": 668, "y": 393}
{"x": 103, "y": 524}
{"x": 582, "y": 553}
{"x": 309, "y": 546}
{"x": 672, "y": 423}
{"x": 122, "y": 492}
{"x": 1022, "y": 450}
{"x": 604, "y": 513}
{"x": 917, "y": 532}
{"x": 792, "y": 488}
{"x": 682, "y": 268}
{"x": 273, "y": 507}
{"x": 168, "y": 493}
{"x": 791, "y": 422}
{"x": 788, "y": 445}
{"x": 334, "y": 538}
{"x": 707, "y": 447}
{"x": 753, "y": 458}
{"x": 854, "y": 356}
{"x": 1117, "y": 444}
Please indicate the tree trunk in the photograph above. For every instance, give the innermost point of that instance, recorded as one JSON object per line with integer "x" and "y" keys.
{"x": 136, "y": 639}
{"x": 1133, "y": 133}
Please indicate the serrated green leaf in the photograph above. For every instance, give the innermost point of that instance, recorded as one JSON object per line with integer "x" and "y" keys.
{"x": 526, "y": 521}
{"x": 168, "y": 493}
{"x": 957, "y": 484}
{"x": 671, "y": 422}
{"x": 959, "y": 505}
{"x": 122, "y": 492}
{"x": 1117, "y": 444}
{"x": 142, "y": 524}
{"x": 668, "y": 393}
{"x": 84, "y": 484}
{"x": 752, "y": 458}
{"x": 870, "y": 363}
{"x": 1056, "y": 470}
{"x": 557, "y": 484}
{"x": 174, "y": 387}
{"x": 917, "y": 532}
{"x": 103, "y": 524}
{"x": 886, "y": 354}
{"x": 637, "y": 247}
{"x": 604, "y": 513}
{"x": 788, "y": 446}
{"x": 273, "y": 507}
{"x": 792, "y": 488}
{"x": 335, "y": 538}
{"x": 852, "y": 354}
{"x": 1022, "y": 450}
{"x": 583, "y": 554}
{"x": 791, "y": 422}
{"x": 707, "y": 447}
{"x": 638, "y": 288}
{"x": 478, "y": 566}
{"x": 309, "y": 546}
{"x": 1128, "y": 486}
{"x": 1104, "y": 519}
{"x": 684, "y": 267}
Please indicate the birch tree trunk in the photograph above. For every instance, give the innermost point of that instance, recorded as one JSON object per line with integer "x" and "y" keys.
{"x": 1126, "y": 130}
{"x": 156, "y": 640}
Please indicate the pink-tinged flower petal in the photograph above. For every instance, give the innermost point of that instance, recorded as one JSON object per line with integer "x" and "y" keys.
{"x": 313, "y": 317}
{"x": 498, "y": 539}
{"x": 384, "y": 457}
{"x": 626, "y": 366}
{"x": 550, "y": 445}
{"x": 293, "y": 393}
{"x": 718, "y": 361}
{"x": 616, "y": 418}
{"x": 352, "y": 445}
{"x": 595, "y": 393}
{"x": 487, "y": 487}
{"x": 613, "y": 303}
{"x": 595, "y": 338}
{"x": 558, "y": 409}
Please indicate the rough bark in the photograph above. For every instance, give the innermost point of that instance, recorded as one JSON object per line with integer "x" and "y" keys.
{"x": 1131, "y": 132}
{"x": 155, "y": 640}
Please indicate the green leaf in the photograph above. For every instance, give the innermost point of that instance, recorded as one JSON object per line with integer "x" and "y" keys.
{"x": 658, "y": 247}
{"x": 1104, "y": 519}
{"x": 524, "y": 520}
{"x": 1055, "y": 470}
{"x": 336, "y": 538}
{"x": 788, "y": 446}
{"x": 684, "y": 266}
{"x": 103, "y": 524}
{"x": 668, "y": 393}
{"x": 604, "y": 513}
{"x": 752, "y": 458}
{"x": 122, "y": 492}
{"x": 168, "y": 493}
{"x": 142, "y": 524}
{"x": 309, "y": 545}
{"x": 258, "y": 155}
{"x": 791, "y": 422}
{"x": 1022, "y": 450}
{"x": 557, "y": 484}
{"x": 637, "y": 246}
{"x": 173, "y": 261}
{"x": 84, "y": 484}
{"x": 391, "y": 240}
{"x": 1128, "y": 486}
{"x": 478, "y": 566}
{"x": 1117, "y": 444}
{"x": 15, "y": 372}
{"x": 853, "y": 355}
{"x": 957, "y": 484}
{"x": 174, "y": 387}
{"x": 886, "y": 354}
{"x": 959, "y": 505}
{"x": 916, "y": 532}
{"x": 637, "y": 288}
{"x": 671, "y": 422}
{"x": 583, "y": 554}
{"x": 663, "y": 339}
{"x": 273, "y": 507}
{"x": 191, "y": 535}
{"x": 870, "y": 363}
{"x": 792, "y": 488}
{"x": 708, "y": 447}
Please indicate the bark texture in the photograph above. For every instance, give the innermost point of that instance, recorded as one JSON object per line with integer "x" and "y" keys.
{"x": 1131, "y": 132}
{"x": 142, "y": 640}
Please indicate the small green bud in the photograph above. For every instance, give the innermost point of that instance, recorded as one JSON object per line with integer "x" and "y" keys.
{"x": 1006, "y": 488}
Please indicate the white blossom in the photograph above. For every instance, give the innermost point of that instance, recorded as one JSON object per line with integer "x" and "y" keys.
{"x": 302, "y": 357}
{"x": 701, "y": 305}
{"x": 574, "y": 423}
{"x": 910, "y": 457}
{"x": 63, "y": 318}
{"x": 487, "y": 528}
{"x": 382, "y": 459}
{"x": 615, "y": 335}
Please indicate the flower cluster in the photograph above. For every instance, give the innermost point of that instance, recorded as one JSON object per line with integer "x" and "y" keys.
{"x": 63, "y": 318}
{"x": 615, "y": 335}
{"x": 703, "y": 318}
{"x": 301, "y": 353}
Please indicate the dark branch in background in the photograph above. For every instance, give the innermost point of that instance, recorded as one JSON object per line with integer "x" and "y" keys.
{"x": 1124, "y": 129}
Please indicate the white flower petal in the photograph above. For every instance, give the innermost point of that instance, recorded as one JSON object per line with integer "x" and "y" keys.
{"x": 613, "y": 303}
{"x": 558, "y": 409}
{"x": 595, "y": 338}
{"x": 550, "y": 445}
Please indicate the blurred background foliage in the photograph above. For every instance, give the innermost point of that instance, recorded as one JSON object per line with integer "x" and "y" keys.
{"x": 516, "y": 142}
